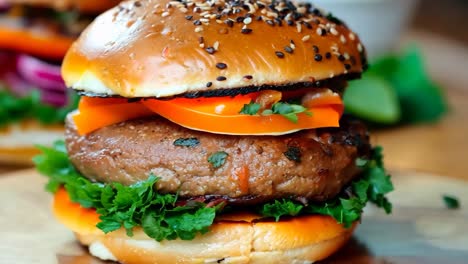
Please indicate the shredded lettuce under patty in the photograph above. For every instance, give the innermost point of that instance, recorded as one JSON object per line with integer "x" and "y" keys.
{"x": 15, "y": 109}
{"x": 140, "y": 205}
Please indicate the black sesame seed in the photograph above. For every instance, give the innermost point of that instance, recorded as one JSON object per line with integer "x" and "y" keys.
{"x": 328, "y": 55}
{"x": 279, "y": 54}
{"x": 353, "y": 60}
{"x": 290, "y": 22}
{"x": 259, "y": 18}
{"x": 288, "y": 49}
{"x": 188, "y": 17}
{"x": 201, "y": 40}
{"x": 307, "y": 24}
{"x": 292, "y": 42}
{"x": 197, "y": 22}
{"x": 318, "y": 57}
{"x": 341, "y": 58}
{"x": 229, "y": 22}
{"x": 246, "y": 31}
{"x": 316, "y": 49}
{"x": 210, "y": 50}
{"x": 279, "y": 22}
{"x": 248, "y": 77}
{"x": 220, "y": 78}
{"x": 240, "y": 19}
{"x": 218, "y": 16}
{"x": 209, "y": 84}
{"x": 347, "y": 66}
{"x": 221, "y": 65}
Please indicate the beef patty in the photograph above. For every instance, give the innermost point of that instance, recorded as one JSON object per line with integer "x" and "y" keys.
{"x": 311, "y": 164}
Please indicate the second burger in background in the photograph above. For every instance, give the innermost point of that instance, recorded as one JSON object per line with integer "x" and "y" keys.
{"x": 34, "y": 37}
{"x": 212, "y": 132}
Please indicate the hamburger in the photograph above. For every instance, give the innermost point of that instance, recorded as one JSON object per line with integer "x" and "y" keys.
{"x": 213, "y": 132}
{"x": 34, "y": 37}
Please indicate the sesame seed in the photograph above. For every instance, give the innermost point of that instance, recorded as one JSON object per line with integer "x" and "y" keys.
{"x": 183, "y": 10}
{"x": 359, "y": 47}
{"x": 316, "y": 49}
{"x": 319, "y": 31}
{"x": 201, "y": 40}
{"x": 229, "y": 22}
{"x": 220, "y": 78}
{"x": 298, "y": 27}
{"x": 334, "y": 31}
{"x": 248, "y": 77}
{"x": 347, "y": 66}
{"x": 248, "y": 20}
{"x": 165, "y": 14}
{"x": 346, "y": 56}
{"x": 270, "y": 22}
{"x": 209, "y": 84}
{"x": 341, "y": 57}
{"x": 328, "y": 55}
{"x": 279, "y": 54}
{"x": 201, "y": 45}
{"x": 216, "y": 45}
{"x": 197, "y": 22}
{"x": 188, "y": 17}
{"x": 198, "y": 29}
{"x": 343, "y": 39}
{"x": 221, "y": 65}
{"x": 288, "y": 49}
{"x": 352, "y": 36}
{"x": 305, "y": 38}
{"x": 318, "y": 57}
{"x": 210, "y": 50}
{"x": 246, "y": 31}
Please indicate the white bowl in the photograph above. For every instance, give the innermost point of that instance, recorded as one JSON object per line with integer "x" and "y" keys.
{"x": 379, "y": 23}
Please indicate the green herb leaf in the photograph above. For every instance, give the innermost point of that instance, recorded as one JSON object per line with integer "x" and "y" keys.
{"x": 281, "y": 208}
{"x": 125, "y": 206}
{"x": 250, "y": 109}
{"x": 218, "y": 159}
{"x": 289, "y": 111}
{"x": 14, "y": 109}
{"x": 187, "y": 142}
{"x": 451, "y": 202}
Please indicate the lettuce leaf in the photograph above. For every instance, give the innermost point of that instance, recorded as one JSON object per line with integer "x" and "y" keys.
{"x": 140, "y": 205}
{"x": 15, "y": 109}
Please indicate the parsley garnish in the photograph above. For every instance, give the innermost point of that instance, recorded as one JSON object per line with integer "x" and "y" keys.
{"x": 218, "y": 159}
{"x": 187, "y": 142}
{"x": 451, "y": 202}
{"x": 15, "y": 109}
{"x": 140, "y": 205}
{"x": 287, "y": 110}
{"x": 250, "y": 109}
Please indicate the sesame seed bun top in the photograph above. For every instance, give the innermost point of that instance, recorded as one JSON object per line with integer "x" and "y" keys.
{"x": 161, "y": 48}
{"x": 90, "y": 6}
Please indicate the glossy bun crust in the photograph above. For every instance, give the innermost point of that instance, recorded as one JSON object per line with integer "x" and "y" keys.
{"x": 81, "y": 5}
{"x": 158, "y": 48}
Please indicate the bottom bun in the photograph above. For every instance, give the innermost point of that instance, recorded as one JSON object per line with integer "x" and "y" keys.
{"x": 303, "y": 239}
{"x": 18, "y": 141}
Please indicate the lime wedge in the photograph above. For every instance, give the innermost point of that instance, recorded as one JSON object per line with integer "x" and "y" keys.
{"x": 373, "y": 99}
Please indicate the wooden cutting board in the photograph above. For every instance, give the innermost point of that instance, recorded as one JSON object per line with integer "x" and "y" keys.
{"x": 421, "y": 229}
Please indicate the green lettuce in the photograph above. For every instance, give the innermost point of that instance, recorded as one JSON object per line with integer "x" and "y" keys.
{"x": 15, "y": 109}
{"x": 140, "y": 205}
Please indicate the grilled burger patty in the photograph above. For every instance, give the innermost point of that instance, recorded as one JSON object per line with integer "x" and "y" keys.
{"x": 313, "y": 164}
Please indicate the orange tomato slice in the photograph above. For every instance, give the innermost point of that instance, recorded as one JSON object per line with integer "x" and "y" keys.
{"x": 22, "y": 40}
{"x": 216, "y": 115}
{"x": 91, "y": 115}
{"x": 240, "y": 124}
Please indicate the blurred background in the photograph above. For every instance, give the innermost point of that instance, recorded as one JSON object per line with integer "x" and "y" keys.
{"x": 418, "y": 82}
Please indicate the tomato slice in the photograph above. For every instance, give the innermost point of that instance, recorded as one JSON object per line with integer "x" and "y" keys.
{"x": 22, "y": 40}
{"x": 91, "y": 115}
{"x": 240, "y": 124}
{"x": 216, "y": 115}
